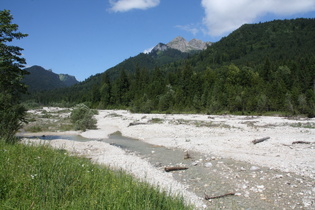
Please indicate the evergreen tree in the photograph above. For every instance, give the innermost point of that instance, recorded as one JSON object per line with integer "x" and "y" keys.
{"x": 11, "y": 112}
{"x": 105, "y": 91}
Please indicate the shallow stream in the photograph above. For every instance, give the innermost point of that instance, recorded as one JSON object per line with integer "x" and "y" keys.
{"x": 254, "y": 187}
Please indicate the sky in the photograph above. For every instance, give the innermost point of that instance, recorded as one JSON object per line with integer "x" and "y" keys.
{"x": 86, "y": 37}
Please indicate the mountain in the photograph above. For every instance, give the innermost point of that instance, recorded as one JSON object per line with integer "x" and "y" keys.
{"x": 161, "y": 54}
{"x": 41, "y": 79}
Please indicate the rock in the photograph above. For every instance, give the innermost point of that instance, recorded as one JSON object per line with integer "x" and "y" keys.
{"x": 278, "y": 176}
{"x": 254, "y": 168}
{"x": 158, "y": 164}
{"x": 194, "y": 163}
{"x": 208, "y": 165}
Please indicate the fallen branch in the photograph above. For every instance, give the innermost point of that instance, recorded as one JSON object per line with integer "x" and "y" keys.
{"x": 187, "y": 155}
{"x": 136, "y": 123}
{"x": 219, "y": 196}
{"x": 176, "y": 168}
{"x": 256, "y": 141}
{"x": 301, "y": 142}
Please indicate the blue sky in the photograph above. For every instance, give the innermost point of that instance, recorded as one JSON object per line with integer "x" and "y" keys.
{"x": 86, "y": 37}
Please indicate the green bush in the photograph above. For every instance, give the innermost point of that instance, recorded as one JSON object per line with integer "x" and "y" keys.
{"x": 11, "y": 119}
{"x": 82, "y": 117}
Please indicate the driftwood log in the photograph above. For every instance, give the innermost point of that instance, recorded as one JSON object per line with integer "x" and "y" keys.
{"x": 218, "y": 196}
{"x": 136, "y": 123}
{"x": 176, "y": 168}
{"x": 256, "y": 141}
{"x": 301, "y": 142}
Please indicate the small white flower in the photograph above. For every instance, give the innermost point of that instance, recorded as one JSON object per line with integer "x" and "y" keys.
{"x": 33, "y": 176}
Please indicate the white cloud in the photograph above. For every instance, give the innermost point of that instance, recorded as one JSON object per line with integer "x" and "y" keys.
{"x": 223, "y": 16}
{"x": 126, "y": 5}
{"x": 147, "y": 51}
{"x": 189, "y": 28}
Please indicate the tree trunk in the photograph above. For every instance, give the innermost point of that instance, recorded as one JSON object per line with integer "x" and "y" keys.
{"x": 176, "y": 168}
{"x": 256, "y": 141}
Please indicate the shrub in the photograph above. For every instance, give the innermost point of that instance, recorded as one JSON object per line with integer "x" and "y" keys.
{"x": 82, "y": 117}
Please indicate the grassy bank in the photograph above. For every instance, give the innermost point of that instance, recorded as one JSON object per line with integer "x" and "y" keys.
{"x": 38, "y": 177}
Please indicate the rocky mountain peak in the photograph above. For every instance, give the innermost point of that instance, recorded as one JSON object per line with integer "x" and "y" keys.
{"x": 198, "y": 44}
{"x": 160, "y": 47}
{"x": 179, "y": 43}
{"x": 182, "y": 45}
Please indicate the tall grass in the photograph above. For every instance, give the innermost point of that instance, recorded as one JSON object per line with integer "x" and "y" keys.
{"x": 38, "y": 177}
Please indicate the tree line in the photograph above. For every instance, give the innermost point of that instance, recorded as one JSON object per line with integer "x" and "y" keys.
{"x": 286, "y": 88}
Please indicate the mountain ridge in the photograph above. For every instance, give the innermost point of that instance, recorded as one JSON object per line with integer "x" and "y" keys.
{"x": 41, "y": 79}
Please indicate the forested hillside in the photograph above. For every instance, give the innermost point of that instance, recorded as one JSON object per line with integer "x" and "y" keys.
{"x": 256, "y": 69}
{"x": 40, "y": 79}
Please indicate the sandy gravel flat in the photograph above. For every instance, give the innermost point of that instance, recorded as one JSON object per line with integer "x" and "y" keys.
{"x": 225, "y": 136}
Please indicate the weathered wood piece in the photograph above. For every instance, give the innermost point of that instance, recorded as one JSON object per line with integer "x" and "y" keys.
{"x": 175, "y": 168}
{"x": 187, "y": 156}
{"x": 301, "y": 142}
{"x": 219, "y": 196}
{"x": 256, "y": 141}
{"x": 136, "y": 123}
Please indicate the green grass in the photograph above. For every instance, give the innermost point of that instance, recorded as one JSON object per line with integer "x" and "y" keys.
{"x": 303, "y": 125}
{"x": 38, "y": 177}
{"x": 156, "y": 120}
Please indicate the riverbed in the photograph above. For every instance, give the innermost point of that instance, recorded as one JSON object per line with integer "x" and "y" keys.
{"x": 273, "y": 174}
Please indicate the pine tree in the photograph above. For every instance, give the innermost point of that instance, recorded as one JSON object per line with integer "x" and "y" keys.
{"x": 11, "y": 112}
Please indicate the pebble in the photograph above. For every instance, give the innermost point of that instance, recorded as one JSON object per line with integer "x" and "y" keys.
{"x": 254, "y": 168}
{"x": 208, "y": 165}
{"x": 194, "y": 163}
{"x": 278, "y": 176}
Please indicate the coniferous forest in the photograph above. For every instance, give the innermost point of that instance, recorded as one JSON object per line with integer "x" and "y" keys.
{"x": 259, "y": 68}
